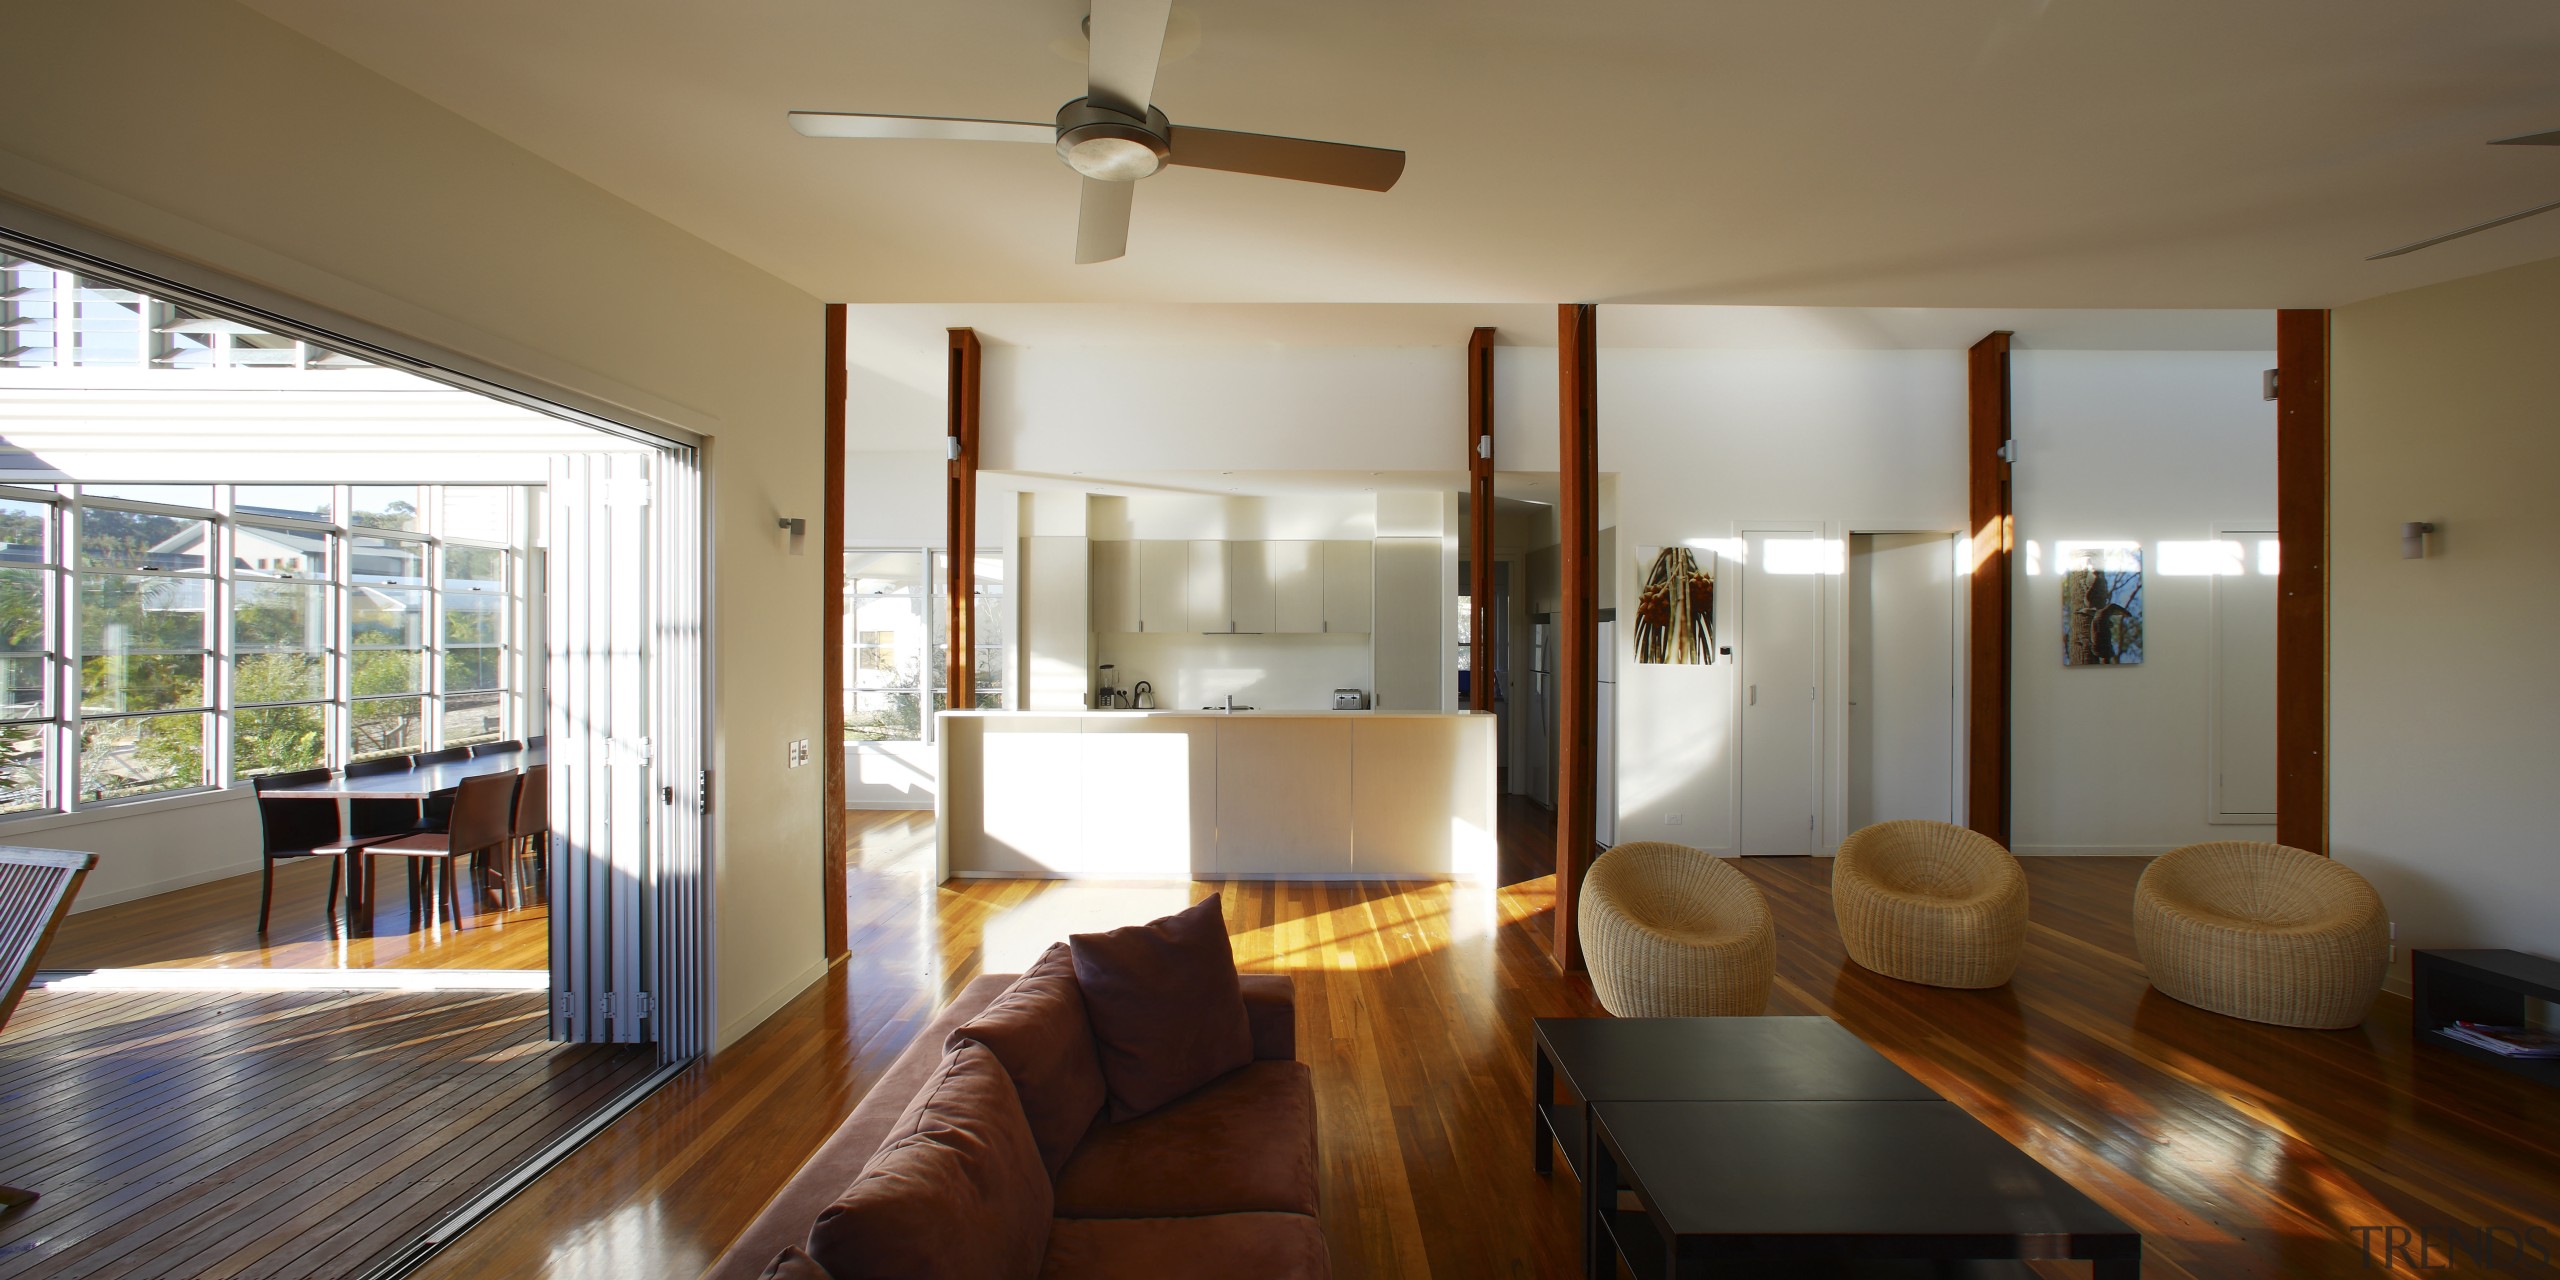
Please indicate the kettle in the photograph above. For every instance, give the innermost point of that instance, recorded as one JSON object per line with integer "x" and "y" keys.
{"x": 1142, "y": 696}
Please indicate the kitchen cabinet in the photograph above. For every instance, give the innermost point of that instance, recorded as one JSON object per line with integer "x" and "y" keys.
{"x": 1297, "y": 586}
{"x": 1115, "y": 586}
{"x": 1252, "y": 593}
{"x": 1412, "y": 612}
{"x": 1208, "y": 598}
{"x": 1164, "y": 585}
{"x": 1346, "y": 586}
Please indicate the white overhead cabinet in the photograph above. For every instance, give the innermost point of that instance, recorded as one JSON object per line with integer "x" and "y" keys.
{"x": 1164, "y": 586}
{"x": 1115, "y": 587}
{"x": 1297, "y": 586}
{"x": 1208, "y": 598}
{"x": 1252, "y": 590}
{"x": 1346, "y": 586}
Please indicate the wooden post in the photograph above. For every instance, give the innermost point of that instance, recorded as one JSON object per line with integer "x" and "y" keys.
{"x": 960, "y": 523}
{"x": 831, "y": 824}
{"x": 1480, "y": 519}
{"x": 1993, "y": 524}
{"x": 2302, "y": 579}
{"x": 1578, "y": 616}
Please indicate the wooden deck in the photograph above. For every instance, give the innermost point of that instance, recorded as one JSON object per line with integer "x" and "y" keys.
{"x": 2241, "y": 1152}
{"x": 274, "y": 1134}
{"x": 215, "y": 926}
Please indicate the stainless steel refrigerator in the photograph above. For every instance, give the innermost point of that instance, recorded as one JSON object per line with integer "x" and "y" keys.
{"x": 1542, "y": 713}
{"x": 1604, "y": 808}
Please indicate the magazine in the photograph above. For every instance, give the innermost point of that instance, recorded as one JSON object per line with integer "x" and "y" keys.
{"x": 2512, "y": 1042}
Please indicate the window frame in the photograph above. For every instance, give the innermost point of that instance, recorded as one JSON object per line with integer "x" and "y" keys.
{"x": 926, "y": 596}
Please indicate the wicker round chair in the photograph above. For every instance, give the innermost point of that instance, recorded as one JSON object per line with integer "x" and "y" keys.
{"x": 1672, "y": 932}
{"x": 1930, "y": 903}
{"x": 2263, "y": 932}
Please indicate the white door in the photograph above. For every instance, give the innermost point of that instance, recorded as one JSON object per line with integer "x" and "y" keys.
{"x": 1902, "y": 665}
{"x": 2244, "y": 683}
{"x": 1781, "y": 691}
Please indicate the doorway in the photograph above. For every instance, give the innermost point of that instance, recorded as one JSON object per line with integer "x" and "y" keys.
{"x": 1901, "y": 655}
{"x": 1781, "y": 702}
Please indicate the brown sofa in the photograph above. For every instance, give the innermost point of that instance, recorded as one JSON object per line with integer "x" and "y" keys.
{"x": 1221, "y": 1182}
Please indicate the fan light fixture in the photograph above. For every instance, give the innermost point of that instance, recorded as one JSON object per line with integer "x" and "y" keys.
{"x": 1112, "y": 146}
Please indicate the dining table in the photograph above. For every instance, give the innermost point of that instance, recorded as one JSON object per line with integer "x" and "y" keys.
{"x": 421, "y": 782}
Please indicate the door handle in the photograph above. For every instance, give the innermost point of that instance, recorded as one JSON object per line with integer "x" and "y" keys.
{"x": 1753, "y": 698}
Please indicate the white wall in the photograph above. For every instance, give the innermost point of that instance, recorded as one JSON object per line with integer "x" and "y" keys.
{"x": 152, "y": 848}
{"x": 2153, "y": 447}
{"x": 233, "y": 142}
{"x": 2443, "y": 691}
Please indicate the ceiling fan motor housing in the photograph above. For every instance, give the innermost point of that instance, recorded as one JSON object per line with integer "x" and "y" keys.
{"x": 1114, "y": 146}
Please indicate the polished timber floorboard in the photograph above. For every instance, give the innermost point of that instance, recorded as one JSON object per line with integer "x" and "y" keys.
{"x": 2238, "y": 1150}
{"x": 271, "y": 1134}
{"x": 215, "y": 926}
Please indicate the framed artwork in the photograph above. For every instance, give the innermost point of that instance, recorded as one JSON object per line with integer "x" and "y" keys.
{"x": 1676, "y": 610}
{"x": 2101, "y": 605}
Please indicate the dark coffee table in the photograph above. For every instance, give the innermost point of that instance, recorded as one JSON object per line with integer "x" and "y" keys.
{"x": 1697, "y": 1059}
{"x": 1808, "y": 1188}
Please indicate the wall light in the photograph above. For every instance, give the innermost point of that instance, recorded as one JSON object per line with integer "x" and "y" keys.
{"x": 798, "y": 529}
{"x": 2413, "y": 539}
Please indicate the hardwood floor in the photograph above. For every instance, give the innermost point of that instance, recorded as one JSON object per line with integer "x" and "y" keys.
{"x": 271, "y": 1134}
{"x": 2239, "y": 1150}
{"x": 215, "y": 926}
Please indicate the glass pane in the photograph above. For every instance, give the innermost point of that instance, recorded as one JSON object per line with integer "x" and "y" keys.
{"x": 168, "y": 495}
{"x": 285, "y": 553}
{"x": 25, "y": 531}
{"x": 127, "y": 612}
{"x": 381, "y": 671}
{"x": 122, "y": 683}
{"x": 880, "y": 573}
{"x": 22, "y": 687}
{"x": 271, "y": 616}
{"x": 388, "y": 560}
{"x": 881, "y": 717}
{"x": 381, "y": 618}
{"x": 473, "y": 717}
{"x": 110, "y": 324}
{"x": 141, "y": 755}
{"x": 475, "y": 569}
{"x": 386, "y": 727}
{"x": 477, "y": 512}
{"x": 470, "y": 670}
{"x": 300, "y": 501}
{"x": 22, "y": 767}
{"x": 112, "y": 539}
{"x": 385, "y": 506}
{"x": 279, "y": 677}
{"x": 277, "y": 739}
{"x": 22, "y": 593}
{"x": 473, "y": 619}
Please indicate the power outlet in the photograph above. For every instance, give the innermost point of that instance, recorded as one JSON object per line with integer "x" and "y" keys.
{"x": 1674, "y": 819}
{"x": 796, "y": 752}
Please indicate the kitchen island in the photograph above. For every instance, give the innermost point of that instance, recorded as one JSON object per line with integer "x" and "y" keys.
{"x": 1158, "y": 795}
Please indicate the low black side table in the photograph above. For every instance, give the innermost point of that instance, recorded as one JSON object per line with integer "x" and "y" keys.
{"x": 2481, "y": 986}
{"x": 1821, "y": 1188}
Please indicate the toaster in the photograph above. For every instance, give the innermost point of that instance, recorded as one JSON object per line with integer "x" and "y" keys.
{"x": 1350, "y": 700}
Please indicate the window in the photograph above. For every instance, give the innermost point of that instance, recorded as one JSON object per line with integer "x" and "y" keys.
{"x": 164, "y": 638}
{"x": 897, "y": 641}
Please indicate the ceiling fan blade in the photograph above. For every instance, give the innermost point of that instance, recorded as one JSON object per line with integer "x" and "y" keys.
{"x": 1124, "y": 40}
{"x": 854, "y": 124}
{"x": 1337, "y": 164}
{"x": 2456, "y": 235}
{"x": 1102, "y": 220}
{"x": 2551, "y": 139}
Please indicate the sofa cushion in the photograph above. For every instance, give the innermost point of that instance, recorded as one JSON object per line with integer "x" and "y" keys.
{"x": 1271, "y": 1009}
{"x": 957, "y": 1191}
{"x": 1037, "y": 1029}
{"x": 1244, "y": 1142}
{"x": 1167, "y": 1013}
{"x": 1266, "y": 1246}
{"x": 792, "y": 1264}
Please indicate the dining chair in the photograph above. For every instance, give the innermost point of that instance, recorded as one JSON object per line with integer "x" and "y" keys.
{"x": 36, "y": 888}
{"x": 380, "y": 817}
{"x": 495, "y": 748}
{"x": 291, "y": 827}
{"x": 436, "y": 811}
{"x": 530, "y": 833}
{"x": 483, "y": 819}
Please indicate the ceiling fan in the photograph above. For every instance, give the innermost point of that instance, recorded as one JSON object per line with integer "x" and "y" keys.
{"x": 2551, "y": 139}
{"x": 1115, "y": 136}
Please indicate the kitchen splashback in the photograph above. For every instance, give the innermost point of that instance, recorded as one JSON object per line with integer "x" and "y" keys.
{"x": 1269, "y": 672}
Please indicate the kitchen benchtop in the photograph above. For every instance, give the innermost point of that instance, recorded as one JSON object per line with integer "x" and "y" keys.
{"x": 1165, "y": 712}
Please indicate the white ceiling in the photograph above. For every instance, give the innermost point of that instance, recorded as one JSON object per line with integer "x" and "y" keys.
{"x": 1873, "y": 153}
